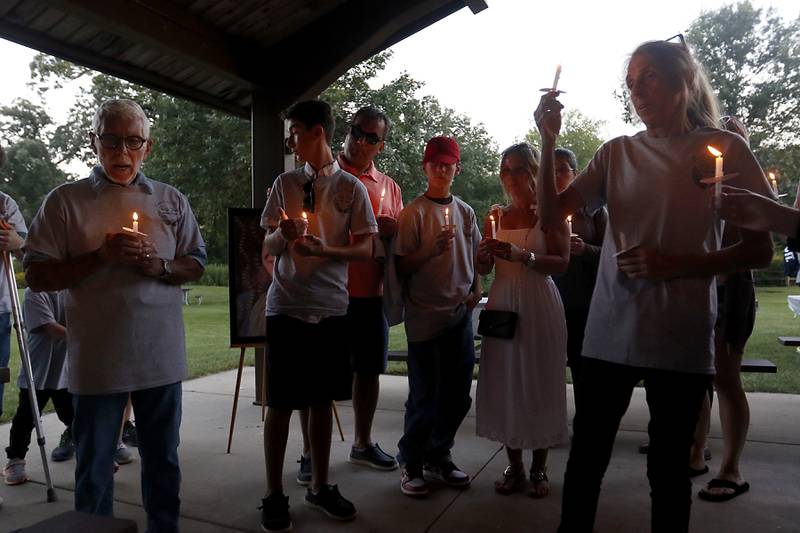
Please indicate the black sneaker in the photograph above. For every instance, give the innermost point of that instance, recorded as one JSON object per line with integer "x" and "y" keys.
{"x": 275, "y": 513}
{"x": 304, "y": 474}
{"x": 129, "y": 436}
{"x": 373, "y": 457}
{"x": 65, "y": 449}
{"x": 329, "y": 501}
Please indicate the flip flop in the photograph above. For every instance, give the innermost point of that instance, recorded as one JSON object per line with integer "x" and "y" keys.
{"x": 694, "y": 472}
{"x": 717, "y": 483}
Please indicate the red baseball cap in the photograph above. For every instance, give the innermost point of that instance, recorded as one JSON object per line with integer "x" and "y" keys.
{"x": 442, "y": 150}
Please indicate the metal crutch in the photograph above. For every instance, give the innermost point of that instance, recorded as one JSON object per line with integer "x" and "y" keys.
{"x": 25, "y": 355}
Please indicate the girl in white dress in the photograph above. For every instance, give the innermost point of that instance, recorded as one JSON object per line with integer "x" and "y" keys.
{"x": 521, "y": 399}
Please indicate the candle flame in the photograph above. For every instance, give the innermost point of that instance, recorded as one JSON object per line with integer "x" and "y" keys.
{"x": 446, "y": 211}
{"x": 383, "y": 192}
{"x": 305, "y": 216}
{"x": 714, "y": 151}
{"x": 135, "y": 215}
{"x": 491, "y": 218}
{"x": 569, "y": 219}
{"x": 772, "y": 176}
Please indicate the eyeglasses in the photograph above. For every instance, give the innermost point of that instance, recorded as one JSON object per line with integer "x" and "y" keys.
{"x": 370, "y": 137}
{"x": 112, "y": 142}
{"x": 680, "y": 39}
{"x": 309, "y": 200}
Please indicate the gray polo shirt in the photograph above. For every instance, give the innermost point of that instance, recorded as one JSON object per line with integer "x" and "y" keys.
{"x": 125, "y": 329}
{"x": 316, "y": 287}
{"x": 9, "y": 211}
{"x": 48, "y": 353}
{"x": 651, "y": 188}
{"x": 434, "y": 295}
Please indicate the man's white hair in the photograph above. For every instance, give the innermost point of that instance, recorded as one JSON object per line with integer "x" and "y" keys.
{"x": 120, "y": 107}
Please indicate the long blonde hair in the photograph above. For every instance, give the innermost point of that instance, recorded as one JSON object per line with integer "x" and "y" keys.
{"x": 686, "y": 74}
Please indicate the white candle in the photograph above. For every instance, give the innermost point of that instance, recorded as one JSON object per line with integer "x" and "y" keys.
{"x": 494, "y": 227}
{"x": 718, "y": 173}
{"x": 446, "y": 216}
{"x": 305, "y": 217}
{"x": 380, "y": 205}
{"x": 774, "y": 182}
{"x": 569, "y": 223}
{"x": 135, "y": 222}
{"x": 555, "y": 79}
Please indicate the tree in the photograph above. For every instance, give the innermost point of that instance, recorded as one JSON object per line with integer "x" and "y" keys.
{"x": 30, "y": 172}
{"x": 752, "y": 58}
{"x": 415, "y": 120}
{"x": 579, "y": 133}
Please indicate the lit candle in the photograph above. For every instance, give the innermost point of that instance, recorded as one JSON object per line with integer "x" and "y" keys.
{"x": 555, "y": 79}
{"x": 774, "y": 181}
{"x": 135, "y": 222}
{"x": 305, "y": 217}
{"x": 494, "y": 227}
{"x": 569, "y": 223}
{"x": 446, "y": 216}
{"x": 718, "y": 172}
{"x": 380, "y": 205}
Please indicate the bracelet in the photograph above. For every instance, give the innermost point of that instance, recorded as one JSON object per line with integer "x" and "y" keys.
{"x": 530, "y": 261}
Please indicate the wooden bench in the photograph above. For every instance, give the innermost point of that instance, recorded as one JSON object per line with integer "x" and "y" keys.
{"x": 761, "y": 366}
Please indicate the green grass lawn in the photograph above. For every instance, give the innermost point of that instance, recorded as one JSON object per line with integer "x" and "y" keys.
{"x": 207, "y": 339}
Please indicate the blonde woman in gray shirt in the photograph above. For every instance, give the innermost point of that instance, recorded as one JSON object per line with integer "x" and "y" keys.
{"x": 653, "y": 310}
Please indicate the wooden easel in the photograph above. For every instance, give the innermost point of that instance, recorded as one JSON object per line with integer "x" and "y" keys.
{"x": 263, "y": 398}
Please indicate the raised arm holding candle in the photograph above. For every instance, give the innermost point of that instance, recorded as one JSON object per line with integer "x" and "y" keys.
{"x": 648, "y": 182}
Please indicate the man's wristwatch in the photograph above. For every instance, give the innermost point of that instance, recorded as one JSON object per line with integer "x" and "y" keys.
{"x": 166, "y": 268}
{"x": 530, "y": 260}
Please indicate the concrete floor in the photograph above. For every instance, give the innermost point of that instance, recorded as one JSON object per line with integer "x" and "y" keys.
{"x": 221, "y": 492}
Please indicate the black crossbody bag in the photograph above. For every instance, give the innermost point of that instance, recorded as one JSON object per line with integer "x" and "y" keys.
{"x": 498, "y": 324}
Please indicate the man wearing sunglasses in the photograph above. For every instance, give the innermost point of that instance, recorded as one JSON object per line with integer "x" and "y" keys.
{"x": 369, "y": 330}
{"x": 124, "y": 307}
{"x": 308, "y": 354}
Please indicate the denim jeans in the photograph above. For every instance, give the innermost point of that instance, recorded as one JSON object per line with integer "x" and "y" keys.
{"x": 5, "y": 348}
{"x": 674, "y": 400}
{"x": 439, "y": 380}
{"x": 96, "y": 430}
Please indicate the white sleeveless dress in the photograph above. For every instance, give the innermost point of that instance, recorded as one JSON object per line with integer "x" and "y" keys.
{"x": 521, "y": 398}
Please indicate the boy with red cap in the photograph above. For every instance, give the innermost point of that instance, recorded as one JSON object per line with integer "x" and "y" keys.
{"x": 437, "y": 241}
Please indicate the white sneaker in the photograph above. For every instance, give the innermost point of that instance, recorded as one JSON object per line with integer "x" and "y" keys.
{"x": 123, "y": 455}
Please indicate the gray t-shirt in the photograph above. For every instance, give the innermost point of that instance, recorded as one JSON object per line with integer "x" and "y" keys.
{"x": 650, "y": 186}
{"x": 306, "y": 287}
{"x": 434, "y": 295}
{"x": 48, "y": 353}
{"x": 125, "y": 330}
{"x": 9, "y": 211}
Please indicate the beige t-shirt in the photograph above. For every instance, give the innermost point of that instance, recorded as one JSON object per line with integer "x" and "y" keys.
{"x": 651, "y": 188}
{"x": 434, "y": 295}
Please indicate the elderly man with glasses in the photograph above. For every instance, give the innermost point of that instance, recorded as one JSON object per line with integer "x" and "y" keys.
{"x": 122, "y": 274}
